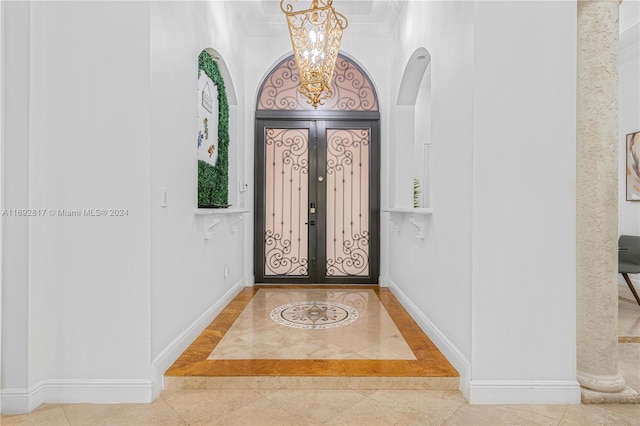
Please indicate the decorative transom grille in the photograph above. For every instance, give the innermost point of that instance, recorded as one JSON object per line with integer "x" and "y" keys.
{"x": 352, "y": 89}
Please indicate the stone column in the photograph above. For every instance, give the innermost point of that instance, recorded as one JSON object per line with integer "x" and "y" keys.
{"x": 597, "y": 202}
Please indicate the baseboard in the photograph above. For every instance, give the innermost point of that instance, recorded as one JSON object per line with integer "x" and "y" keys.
{"x": 20, "y": 401}
{"x": 524, "y": 392}
{"x": 106, "y": 391}
{"x": 383, "y": 281}
{"x": 92, "y": 391}
{"x": 448, "y": 349}
{"x": 168, "y": 356}
{"x": 250, "y": 281}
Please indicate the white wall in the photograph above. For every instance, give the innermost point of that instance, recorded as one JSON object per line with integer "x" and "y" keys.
{"x": 187, "y": 270}
{"x": 2, "y": 60}
{"x": 77, "y": 287}
{"x": 434, "y": 274}
{"x": 524, "y": 200}
{"x": 101, "y": 113}
{"x": 629, "y": 117}
{"x": 15, "y": 231}
{"x": 629, "y": 122}
{"x": 493, "y": 281}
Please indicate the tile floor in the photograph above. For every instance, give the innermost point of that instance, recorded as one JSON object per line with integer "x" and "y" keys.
{"x": 322, "y": 407}
{"x": 338, "y": 406}
{"x": 298, "y": 332}
{"x": 243, "y": 342}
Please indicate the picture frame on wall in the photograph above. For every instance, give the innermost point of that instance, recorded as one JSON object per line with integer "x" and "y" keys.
{"x": 633, "y": 166}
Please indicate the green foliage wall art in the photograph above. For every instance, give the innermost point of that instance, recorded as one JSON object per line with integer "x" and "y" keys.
{"x": 213, "y": 135}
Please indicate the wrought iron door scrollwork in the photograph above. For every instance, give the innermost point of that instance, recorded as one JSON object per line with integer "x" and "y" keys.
{"x": 347, "y": 202}
{"x": 285, "y": 239}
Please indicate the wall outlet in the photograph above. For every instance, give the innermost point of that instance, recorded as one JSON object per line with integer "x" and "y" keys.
{"x": 226, "y": 271}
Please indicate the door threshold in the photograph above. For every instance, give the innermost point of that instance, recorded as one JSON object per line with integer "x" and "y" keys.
{"x": 319, "y": 285}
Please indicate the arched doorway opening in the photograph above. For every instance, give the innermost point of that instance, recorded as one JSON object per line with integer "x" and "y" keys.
{"x": 317, "y": 198}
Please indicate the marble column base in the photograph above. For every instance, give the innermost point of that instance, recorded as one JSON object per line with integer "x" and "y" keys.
{"x": 625, "y": 396}
{"x": 601, "y": 382}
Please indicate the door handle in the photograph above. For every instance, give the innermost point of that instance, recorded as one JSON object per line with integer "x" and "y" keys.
{"x": 310, "y": 223}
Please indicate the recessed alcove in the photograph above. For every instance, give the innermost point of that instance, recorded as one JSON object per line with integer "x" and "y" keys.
{"x": 212, "y": 217}
{"x": 413, "y": 133}
{"x": 413, "y": 146}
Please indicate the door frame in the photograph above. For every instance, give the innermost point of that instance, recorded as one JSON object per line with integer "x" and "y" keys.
{"x": 288, "y": 120}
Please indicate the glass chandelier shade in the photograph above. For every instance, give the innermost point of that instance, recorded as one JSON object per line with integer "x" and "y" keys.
{"x": 315, "y": 34}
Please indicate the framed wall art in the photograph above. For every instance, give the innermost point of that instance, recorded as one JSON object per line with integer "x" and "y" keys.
{"x": 633, "y": 166}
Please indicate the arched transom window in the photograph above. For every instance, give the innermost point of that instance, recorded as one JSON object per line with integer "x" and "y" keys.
{"x": 352, "y": 89}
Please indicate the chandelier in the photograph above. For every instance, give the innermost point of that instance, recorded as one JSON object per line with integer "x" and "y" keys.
{"x": 315, "y": 36}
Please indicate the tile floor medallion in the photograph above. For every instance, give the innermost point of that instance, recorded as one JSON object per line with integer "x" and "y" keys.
{"x": 313, "y": 324}
{"x": 314, "y": 315}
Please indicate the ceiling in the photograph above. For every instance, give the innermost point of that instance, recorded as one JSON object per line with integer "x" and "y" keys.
{"x": 371, "y": 17}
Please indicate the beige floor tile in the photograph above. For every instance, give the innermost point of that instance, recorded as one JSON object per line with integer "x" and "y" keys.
{"x": 507, "y": 415}
{"x": 371, "y": 413}
{"x": 593, "y": 415}
{"x": 156, "y": 413}
{"x": 402, "y": 408}
{"x": 420, "y": 400}
{"x": 367, "y": 392}
{"x": 261, "y": 412}
{"x": 200, "y": 407}
{"x": 630, "y": 410}
{"x": 255, "y": 336}
{"x": 47, "y": 414}
{"x": 392, "y": 347}
{"x": 315, "y": 406}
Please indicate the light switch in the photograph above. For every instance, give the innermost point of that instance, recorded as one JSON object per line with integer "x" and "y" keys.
{"x": 164, "y": 200}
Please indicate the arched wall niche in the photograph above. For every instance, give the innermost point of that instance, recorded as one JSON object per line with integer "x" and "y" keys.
{"x": 226, "y": 75}
{"x": 353, "y": 90}
{"x": 413, "y": 76}
{"x": 413, "y": 132}
{"x": 217, "y": 123}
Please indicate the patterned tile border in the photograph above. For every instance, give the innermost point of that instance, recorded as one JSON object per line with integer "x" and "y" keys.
{"x": 429, "y": 363}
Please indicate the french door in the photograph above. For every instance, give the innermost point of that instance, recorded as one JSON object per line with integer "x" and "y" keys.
{"x": 317, "y": 201}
